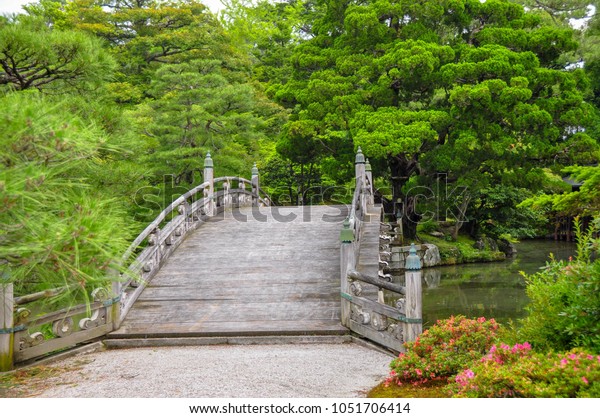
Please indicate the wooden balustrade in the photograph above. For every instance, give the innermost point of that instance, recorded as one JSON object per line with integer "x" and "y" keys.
{"x": 24, "y": 336}
{"x": 390, "y": 326}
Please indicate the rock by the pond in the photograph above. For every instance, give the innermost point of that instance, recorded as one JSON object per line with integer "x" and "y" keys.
{"x": 431, "y": 256}
{"x": 507, "y": 247}
{"x": 437, "y": 234}
{"x": 486, "y": 243}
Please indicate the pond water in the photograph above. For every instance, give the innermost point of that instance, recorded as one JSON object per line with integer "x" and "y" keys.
{"x": 493, "y": 290}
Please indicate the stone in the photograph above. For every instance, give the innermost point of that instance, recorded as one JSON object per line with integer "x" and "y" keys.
{"x": 506, "y": 247}
{"x": 485, "y": 243}
{"x": 432, "y": 256}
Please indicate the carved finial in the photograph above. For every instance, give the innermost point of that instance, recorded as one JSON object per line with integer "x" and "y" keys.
{"x": 208, "y": 162}
{"x": 254, "y": 170}
{"x": 360, "y": 157}
{"x": 368, "y": 165}
{"x": 413, "y": 262}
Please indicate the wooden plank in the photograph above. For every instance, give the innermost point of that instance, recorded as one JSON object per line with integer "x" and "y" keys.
{"x": 246, "y": 328}
{"x": 257, "y": 275}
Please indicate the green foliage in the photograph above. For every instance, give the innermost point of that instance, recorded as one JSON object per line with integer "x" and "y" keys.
{"x": 198, "y": 109}
{"x": 518, "y": 372}
{"x": 56, "y": 229}
{"x": 444, "y": 349}
{"x": 473, "y": 90}
{"x": 33, "y": 56}
{"x": 583, "y": 202}
{"x": 498, "y": 213}
{"x": 565, "y": 300}
{"x": 462, "y": 250}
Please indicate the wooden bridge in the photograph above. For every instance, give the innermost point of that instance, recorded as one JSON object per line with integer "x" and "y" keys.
{"x": 221, "y": 262}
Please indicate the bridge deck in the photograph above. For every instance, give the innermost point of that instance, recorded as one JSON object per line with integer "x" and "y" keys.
{"x": 252, "y": 277}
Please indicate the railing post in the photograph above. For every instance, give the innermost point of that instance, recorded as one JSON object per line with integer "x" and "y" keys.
{"x": 6, "y": 327}
{"x": 116, "y": 306}
{"x": 346, "y": 261}
{"x": 369, "y": 177}
{"x": 255, "y": 185}
{"x": 359, "y": 169}
{"x": 413, "y": 306}
{"x": 359, "y": 166}
{"x": 209, "y": 191}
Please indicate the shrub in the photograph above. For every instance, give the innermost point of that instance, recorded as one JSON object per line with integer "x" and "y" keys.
{"x": 564, "y": 311}
{"x": 444, "y": 349}
{"x": 519, "y": 372}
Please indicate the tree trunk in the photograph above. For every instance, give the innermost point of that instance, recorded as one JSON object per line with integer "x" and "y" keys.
{"x": 402, "y": 167}
{"x": 462, "y": 219}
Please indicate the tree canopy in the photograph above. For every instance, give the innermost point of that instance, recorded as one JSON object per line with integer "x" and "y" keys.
{"x": 465, "y": 109}
{"x": 474, "y": 91}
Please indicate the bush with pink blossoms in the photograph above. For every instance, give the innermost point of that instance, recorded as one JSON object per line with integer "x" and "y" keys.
{"x": 519, "y": 372}
{"x": 444, "y": 349}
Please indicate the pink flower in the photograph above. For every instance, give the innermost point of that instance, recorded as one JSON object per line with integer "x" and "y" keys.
{"x": 419, "y": 372}
{"x": 469, "y": 373}
{"x": 481, "y": 320}
{"x": 564, "y": 362}
{"x": 585, "y": 380}
{"x": 572, "y": 356}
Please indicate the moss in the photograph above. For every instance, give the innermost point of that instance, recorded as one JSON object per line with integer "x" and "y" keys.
{"x": 431, "y": 389}
{"x": 462, "y": 251}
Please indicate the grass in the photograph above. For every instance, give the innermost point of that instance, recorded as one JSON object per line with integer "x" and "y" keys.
{"x": 431, "y": 389}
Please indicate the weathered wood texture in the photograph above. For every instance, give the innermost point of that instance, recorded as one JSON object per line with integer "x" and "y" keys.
{"x": 38, "y": 335}
{"x": 414, "y": 305}
{"x": 253, "y": 271}
{"x": 162, "y": 237}
{"x": 6, "y": 325}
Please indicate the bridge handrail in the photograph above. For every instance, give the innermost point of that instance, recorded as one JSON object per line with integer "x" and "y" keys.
{"x": 162, "y": 242}
{"x": 21, "y": 338}
{"x": 161, "y": 217}
{"x": 387, "y": 325}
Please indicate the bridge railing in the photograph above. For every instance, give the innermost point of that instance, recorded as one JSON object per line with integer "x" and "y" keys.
{"x": 26, "y": 334}
{"x": 388, "y": 325}
{"x": 157, "y": 242}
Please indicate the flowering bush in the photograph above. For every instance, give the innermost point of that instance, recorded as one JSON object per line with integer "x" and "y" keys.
{"x": 443, "y": 350}
{"x": 518, "y": 372}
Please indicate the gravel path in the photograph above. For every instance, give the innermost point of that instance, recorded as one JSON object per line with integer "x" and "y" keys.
{"x": 251, "y": 371}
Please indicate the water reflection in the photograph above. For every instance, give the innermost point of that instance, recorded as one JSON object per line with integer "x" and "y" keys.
{"x": 494, "y": 290}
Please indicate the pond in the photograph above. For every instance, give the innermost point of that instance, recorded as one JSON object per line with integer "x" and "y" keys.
{"x": 492, "y": 290}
